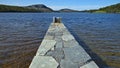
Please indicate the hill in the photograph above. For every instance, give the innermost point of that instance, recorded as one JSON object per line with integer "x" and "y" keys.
{"x": 109, "y": 9}
{"x": 68, "y": 10}
{"x": 31, "y": 8}
{"x": 40, "y": 7}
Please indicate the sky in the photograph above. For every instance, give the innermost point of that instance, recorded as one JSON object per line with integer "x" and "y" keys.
{"x": 60, "y": 4}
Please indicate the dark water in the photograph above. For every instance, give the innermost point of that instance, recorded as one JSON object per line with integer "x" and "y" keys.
{"x": 22, "y": 33}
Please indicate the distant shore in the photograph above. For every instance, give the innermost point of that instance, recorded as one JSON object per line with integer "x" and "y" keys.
{"x": 40, "y": 8}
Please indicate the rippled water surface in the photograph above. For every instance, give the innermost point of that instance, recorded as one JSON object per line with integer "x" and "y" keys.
{"x": 22, "y": 33}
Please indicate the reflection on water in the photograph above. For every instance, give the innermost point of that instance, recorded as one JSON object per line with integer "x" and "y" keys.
{"x": 22, "y": 33}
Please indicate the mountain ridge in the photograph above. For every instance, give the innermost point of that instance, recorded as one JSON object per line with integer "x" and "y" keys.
{"x": 40, "y": 7}
{"x": 115, "y": 8}
{"x": 30, "y": 8}
{"x": 68, "y": 10}
{"x": 43, "y": 8}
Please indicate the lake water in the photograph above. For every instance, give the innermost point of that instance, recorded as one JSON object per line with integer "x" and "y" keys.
{"x": 22, "y": 33}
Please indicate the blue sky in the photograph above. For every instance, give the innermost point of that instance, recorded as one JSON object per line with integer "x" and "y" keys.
{"x": 58, "y": 4}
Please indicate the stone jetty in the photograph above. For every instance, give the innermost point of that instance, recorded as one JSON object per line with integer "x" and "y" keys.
{"x": 59, "y": 49}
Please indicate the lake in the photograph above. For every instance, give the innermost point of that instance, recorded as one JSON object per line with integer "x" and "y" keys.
{"x": 22, "y": 33}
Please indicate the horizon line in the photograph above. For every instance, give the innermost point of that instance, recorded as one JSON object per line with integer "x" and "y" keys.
{"x": 62, "y": 7}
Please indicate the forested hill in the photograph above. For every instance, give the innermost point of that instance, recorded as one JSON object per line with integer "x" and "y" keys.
{"x": 109, "y": 9}
{"x": 68, "y": 10}
{"x": 42, "y": 8}
{"x": 31, "y": 8}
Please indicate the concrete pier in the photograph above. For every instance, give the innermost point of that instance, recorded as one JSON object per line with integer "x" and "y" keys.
{"x": 59, "y": 49}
